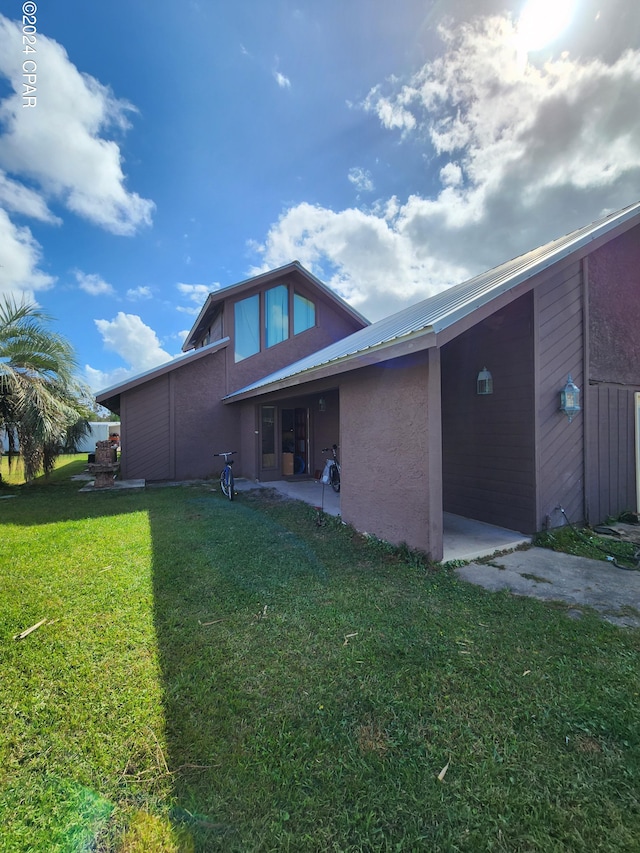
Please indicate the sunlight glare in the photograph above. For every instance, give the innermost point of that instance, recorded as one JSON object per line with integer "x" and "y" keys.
{"x": 542, "y": 21}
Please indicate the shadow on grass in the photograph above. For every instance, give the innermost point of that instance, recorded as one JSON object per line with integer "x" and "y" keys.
{"x": 309, "y": 689}
{"x": 217, "y": 573}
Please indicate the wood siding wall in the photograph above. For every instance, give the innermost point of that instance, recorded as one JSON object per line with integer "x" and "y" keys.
{"x": 614, "y": 376}
{"x": 145, "y": 432}
{"x": 174, "y": 424}
{"x": 610, "y": 452}
{"x": 488, "y": 441}
{"x": 560, "y": 351}
{"x": 202, "y": 424}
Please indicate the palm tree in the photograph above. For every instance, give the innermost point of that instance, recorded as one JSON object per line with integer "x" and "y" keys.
{"x": 40, "y": 398}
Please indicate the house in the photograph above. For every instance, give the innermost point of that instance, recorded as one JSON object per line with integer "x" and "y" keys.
{"x": 173, "y": 418}
{"x": 401, "y": 396}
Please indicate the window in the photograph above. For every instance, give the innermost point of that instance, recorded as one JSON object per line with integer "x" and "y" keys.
{"x": 276, "y": 315}
{"x": 247, "y": 327}
{"x": 304, "y": 314}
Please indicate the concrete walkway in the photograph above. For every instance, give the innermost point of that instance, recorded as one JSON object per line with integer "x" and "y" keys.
{"x": 536, "y": 572}
{"x": 310, "y": 491}
{"x": 468, "y": 539}
{"x": 464, "y": 538}
{"x": 552, "y": 576}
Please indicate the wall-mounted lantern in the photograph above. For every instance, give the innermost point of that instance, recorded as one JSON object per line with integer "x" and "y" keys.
{"x": 322, "y": 405}
{"x": 484, "y": 383}
{"x": 570, "y": 399}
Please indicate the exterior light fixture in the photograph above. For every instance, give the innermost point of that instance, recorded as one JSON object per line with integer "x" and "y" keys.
{"x": 570, "y": 399}
{"x": 484, "y": 384}
{"x": 322, "y": 405}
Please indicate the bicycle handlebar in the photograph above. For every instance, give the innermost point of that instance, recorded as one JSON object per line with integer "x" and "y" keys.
{"x": 226, "y": 453}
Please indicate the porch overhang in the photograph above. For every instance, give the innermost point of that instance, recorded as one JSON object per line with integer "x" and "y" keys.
{"x": 419, "y": 341}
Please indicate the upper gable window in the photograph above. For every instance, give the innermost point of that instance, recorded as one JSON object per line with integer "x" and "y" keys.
{"x": 247, "y": 327}
{"x": 276, "y": 315}
{"x": 304, "y": 314}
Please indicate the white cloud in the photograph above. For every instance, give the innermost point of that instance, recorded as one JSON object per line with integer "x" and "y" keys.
{"x": 361, "y": 179}
{"x": 93, "y": 284}
{"x": 138, "y": 293}
{"x": 392, "y": 114}
{"x": 23, "y": 200}
{"x": 98, "y": 380}
{"x": 367, "y": 258}
{"x": 20, "y": 257}
{"x": 60, "y": 143}
{"x": 281, "y": 80}
{"x": 135, "y": 342}
{"x": 527, "y": 153}
{"x": 196, "y": 294}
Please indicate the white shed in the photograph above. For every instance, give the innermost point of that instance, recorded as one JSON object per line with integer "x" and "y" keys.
{"x": 100, "y": 431}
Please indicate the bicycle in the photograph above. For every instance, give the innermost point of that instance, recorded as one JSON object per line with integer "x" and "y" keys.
{"x": 332, "y": 468}
{"x": 226, "y": 475}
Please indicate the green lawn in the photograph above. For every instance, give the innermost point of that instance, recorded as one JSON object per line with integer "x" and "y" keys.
{"x": 219, "y": 676}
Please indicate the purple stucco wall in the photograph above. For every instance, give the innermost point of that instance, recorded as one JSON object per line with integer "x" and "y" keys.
{"x": 559, "y": 302}
{"x": 387, "y": 482}
{"x": 331, "y": 325}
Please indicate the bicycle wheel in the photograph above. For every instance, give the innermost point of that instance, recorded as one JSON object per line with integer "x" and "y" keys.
{"x": 223, "y": 482}
{"x": 335, "y": 478}
{"x": 226, "y": 483}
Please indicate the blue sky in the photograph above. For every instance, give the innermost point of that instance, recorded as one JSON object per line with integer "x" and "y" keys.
{"x": 394, "y": 149}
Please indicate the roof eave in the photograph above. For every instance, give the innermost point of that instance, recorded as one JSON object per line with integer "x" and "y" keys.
{"x": 384, "y": 351}
{"x": 232, "y": 290}
{"x": 110, "y": 394}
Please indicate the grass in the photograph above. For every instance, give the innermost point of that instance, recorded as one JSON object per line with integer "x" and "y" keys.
{"x": 583, "y": 542}
{"x": 12, "y": 475}
{"x": 231, "y": 677}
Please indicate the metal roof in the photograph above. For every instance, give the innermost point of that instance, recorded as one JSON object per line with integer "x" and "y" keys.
{"x": 441, "y": 311}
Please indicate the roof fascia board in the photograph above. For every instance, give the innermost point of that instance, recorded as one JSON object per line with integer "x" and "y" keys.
{"x": 501, "y": 296}
{"x": 232, "y": 290}
{"x": 235, "y": 290}
{"x": 189, "y": 341}
{"x": 167, "y": 367}
{"x": 412, "y": 343}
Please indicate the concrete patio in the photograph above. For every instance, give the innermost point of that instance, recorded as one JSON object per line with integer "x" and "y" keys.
{"x": 464, "y": 538}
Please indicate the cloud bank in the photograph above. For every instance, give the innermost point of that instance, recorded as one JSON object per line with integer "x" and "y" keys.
{"x": 56, "y": 151}
{"x": 525, "y": 152}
